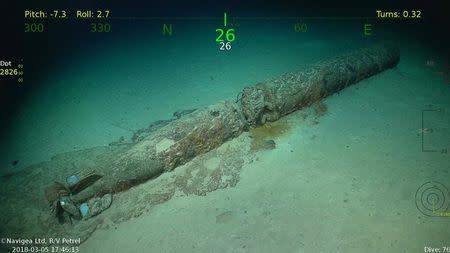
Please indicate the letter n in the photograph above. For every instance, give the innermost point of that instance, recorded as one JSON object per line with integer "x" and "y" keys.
{"x": 167, "y": 29}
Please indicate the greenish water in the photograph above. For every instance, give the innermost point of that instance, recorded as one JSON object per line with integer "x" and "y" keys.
{"x": 351, "y": 172}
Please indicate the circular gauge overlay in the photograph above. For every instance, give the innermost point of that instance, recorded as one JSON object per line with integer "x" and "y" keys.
{"x": 432, "y": 198}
